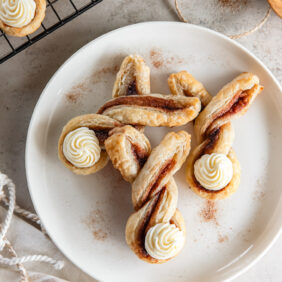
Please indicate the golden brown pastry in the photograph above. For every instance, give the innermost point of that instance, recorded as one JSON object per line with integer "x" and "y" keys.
{"x": 133, "y": 77}
{"x": 213, "y": 171}
{"x": 21, "y": 17}
{"x": 81, "y": 144}
{"x": 152, "y": 110}
{"x": 156, "y": 231}
{"x": 128, "y": 150}
{"x": 183, "y": 83}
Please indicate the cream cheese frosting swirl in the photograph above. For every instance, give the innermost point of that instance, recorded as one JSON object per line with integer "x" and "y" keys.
{"x": 81, "y": 147}
{"x": 164, "y": 241}
{"x": 213, "y": 171}
{"x": 17, "y": 13}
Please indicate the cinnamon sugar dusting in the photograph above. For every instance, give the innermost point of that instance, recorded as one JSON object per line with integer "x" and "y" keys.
{"x": 159, "y": 60}
{"x": 100, "y": 235}
{"x": 73, "y": 97}
{"x": 209, "y": 212}
{"x": 156, "y": 58}
{"x": 75, "y": 93}
{"x": 99, "y": 75}
{"x": 222, "y": 239}
{"x": 97, "y": 223}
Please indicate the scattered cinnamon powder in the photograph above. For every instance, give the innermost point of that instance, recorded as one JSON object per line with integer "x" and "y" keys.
{"x": 76, "y": 92}
{"x": 74, "y": 95}
{"x": 209, "y": 211}
{"x": 97, "y": 223}
{"x": 159, "y": 60}
{"x": 100, "y": 235}
{"x": 222, "y": 239}
{"x": 156, "y": 58}
{"x": 232, "y": 4}
{"x": 73, "y": 98}
{"x": 80, "y": 87}
{"x": 99, "y": 75}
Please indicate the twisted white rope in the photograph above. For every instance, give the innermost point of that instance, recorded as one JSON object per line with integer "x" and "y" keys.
{"x": 10, "y": 202}
{"x": 17, "y": 260}
{"x": 21, "y": 268}
{"x": 5, "y": 181}
{"x": 26, "y": 214}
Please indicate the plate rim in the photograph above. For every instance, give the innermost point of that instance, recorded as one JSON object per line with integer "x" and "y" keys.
{"x": 267, "y": 245}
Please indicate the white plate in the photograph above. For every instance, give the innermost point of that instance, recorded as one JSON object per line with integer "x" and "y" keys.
{"x": 86, "y": 215}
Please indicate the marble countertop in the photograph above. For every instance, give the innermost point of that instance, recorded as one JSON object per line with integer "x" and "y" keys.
{"x": 23, "y": 77}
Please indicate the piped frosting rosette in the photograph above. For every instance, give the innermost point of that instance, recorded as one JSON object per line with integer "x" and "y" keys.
{"x": 21, "y": 17}
{"x": 81, "y": 144}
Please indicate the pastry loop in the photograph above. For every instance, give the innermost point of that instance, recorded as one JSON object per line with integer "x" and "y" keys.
{"x": 154, "y": 196}
{"x": 213, "y": 127}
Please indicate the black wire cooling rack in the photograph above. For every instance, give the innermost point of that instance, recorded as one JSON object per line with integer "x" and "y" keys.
{"x": 58, "y": 13}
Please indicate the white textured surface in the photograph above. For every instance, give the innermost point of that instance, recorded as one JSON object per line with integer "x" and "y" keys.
{"x": 23, "y": 77}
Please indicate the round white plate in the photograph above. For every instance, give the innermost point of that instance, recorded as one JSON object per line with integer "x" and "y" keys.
{"x": 86, "y": 215}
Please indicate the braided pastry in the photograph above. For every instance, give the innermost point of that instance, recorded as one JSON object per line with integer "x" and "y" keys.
{"x": 133, "y": 77}
{"x": 152, "y": 110}
{"x": 156, "y": 231}
{"x": 81, "y": 144}
{"x": 213, "y": 171}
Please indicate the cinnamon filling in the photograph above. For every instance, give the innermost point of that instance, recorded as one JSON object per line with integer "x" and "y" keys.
{"x": 146, "y": 220}
{"x": 132, "y": 89}
{"x": 167, "y": 167}
{"x": 213, "y": 137}
{"x": 143, "y": 101}
{"x": 139, "y": 153}
{"x": 239, "y": 101}
{"x": 101, "y": 133}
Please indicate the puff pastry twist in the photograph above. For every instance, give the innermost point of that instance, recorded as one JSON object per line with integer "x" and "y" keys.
{"x": 154, "y": 191}
{"x": 101, "y": 126}
{"x": 215, "y": 133}
{"x": 152, "y": 110}
{"x": 133, "y": 77}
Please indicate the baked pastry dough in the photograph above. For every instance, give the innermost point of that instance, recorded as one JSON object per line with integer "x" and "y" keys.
{"x": 128, "y": 150}
{"x": 154, "y": 194}
{"x": 215, "y": 134}
{"x": 133, "y": 77}
{"x": 183, "y": 83}
{"x": 101, "y": 125}
{"x": 152, "y": 110}
{"x": 31, "y": 26}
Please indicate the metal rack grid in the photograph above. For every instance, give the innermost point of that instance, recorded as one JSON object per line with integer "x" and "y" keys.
{"x": 75, "y": 8}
